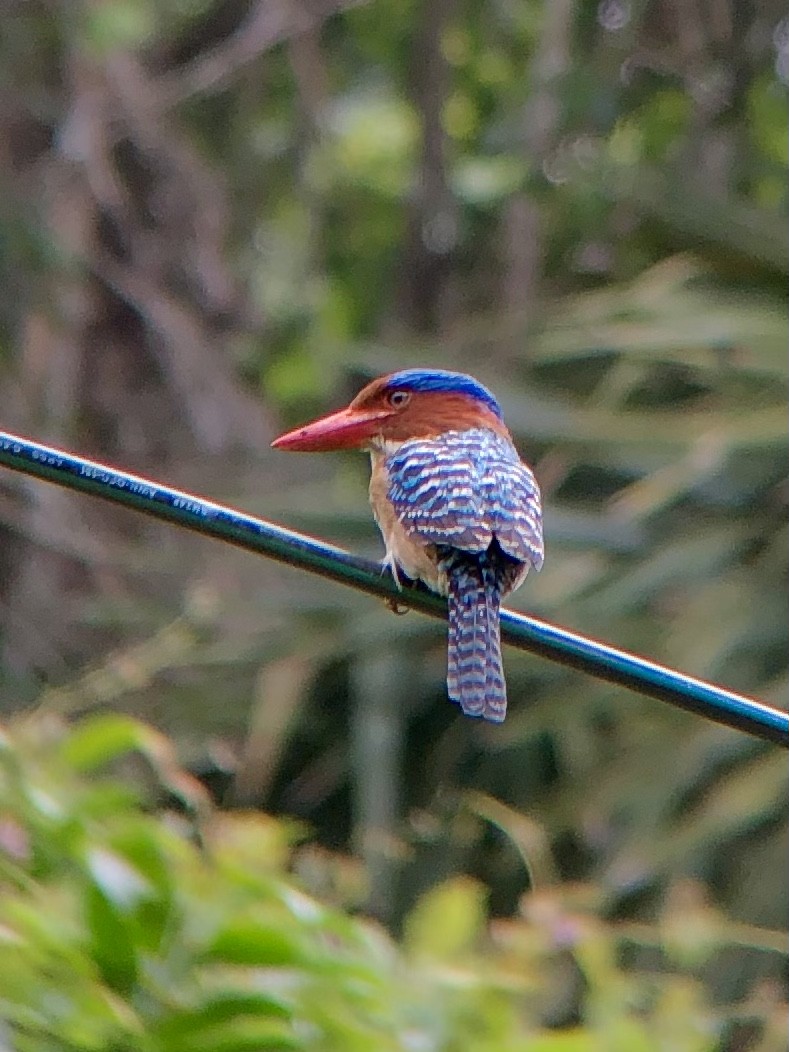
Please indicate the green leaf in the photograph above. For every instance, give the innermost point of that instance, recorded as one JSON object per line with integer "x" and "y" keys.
{"x": 448, "y": 919}
{"x": 100, "y": 739}
{"x": 253, "y": 943}
{"x": 112, "y": 943}
{"x": 577, "y": 1040}
{"x": 119, "y": 882}
{"x": 121, "y": 24}
{"x": 237, "y": 1035}
{"x": 220, "y": 1015}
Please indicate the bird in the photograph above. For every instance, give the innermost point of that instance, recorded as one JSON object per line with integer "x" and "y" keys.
{"x": 457, "y": 507}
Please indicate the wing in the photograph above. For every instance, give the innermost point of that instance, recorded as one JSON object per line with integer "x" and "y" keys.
{"x": 464, "y": 488}
{"x": 512, "y": 502}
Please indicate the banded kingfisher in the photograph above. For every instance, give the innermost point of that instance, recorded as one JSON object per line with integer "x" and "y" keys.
{"x": 457, "y": 507}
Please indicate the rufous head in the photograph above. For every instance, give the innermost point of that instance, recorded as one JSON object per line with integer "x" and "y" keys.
{"x": 414, "y": 403}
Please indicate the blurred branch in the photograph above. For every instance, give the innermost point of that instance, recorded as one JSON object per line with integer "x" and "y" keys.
{"x": 526, "y": 633}
{"x": 157, "y": 245}
{"x": 279, "y": 694}
{"x": 378, "y": 735}
{"x": 133, "y": 668}
{"x": 732, "y": 223}
{"x": 268, "y": 24}
{"x": 221, "y": 413}
{"x": 434, "y": 221}
{"x": 522, "y": 232}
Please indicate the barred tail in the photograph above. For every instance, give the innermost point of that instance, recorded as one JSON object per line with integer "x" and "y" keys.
{"x": 475, "y": 678}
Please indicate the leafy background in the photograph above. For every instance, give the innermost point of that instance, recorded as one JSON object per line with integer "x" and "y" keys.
{"x": 218, "y": 218}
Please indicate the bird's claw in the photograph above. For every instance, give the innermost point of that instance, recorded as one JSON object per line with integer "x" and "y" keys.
{"x": 390, "y": 564}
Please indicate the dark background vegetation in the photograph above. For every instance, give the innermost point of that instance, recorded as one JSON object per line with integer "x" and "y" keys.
{"x": 218, "y": 218}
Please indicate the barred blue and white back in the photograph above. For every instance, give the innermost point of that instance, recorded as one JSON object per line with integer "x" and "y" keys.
{"x": 468, "y": 499}
{"x": 457, "y": 508}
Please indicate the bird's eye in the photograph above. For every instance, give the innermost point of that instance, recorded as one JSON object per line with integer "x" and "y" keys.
{"x": 397, "y": 399}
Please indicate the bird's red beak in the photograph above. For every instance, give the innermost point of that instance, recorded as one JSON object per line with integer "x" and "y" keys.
{"x": 346, "y": 429}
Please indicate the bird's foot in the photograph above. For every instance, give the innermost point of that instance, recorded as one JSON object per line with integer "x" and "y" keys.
{"x": 390, "y": 564}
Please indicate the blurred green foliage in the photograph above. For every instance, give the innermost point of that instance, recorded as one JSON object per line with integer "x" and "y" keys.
{"x": 218, "y": 217}
{"x": 125, "y": 926}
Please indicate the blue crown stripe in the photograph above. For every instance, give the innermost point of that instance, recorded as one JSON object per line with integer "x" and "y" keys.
{"x": 444, "y": 381}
